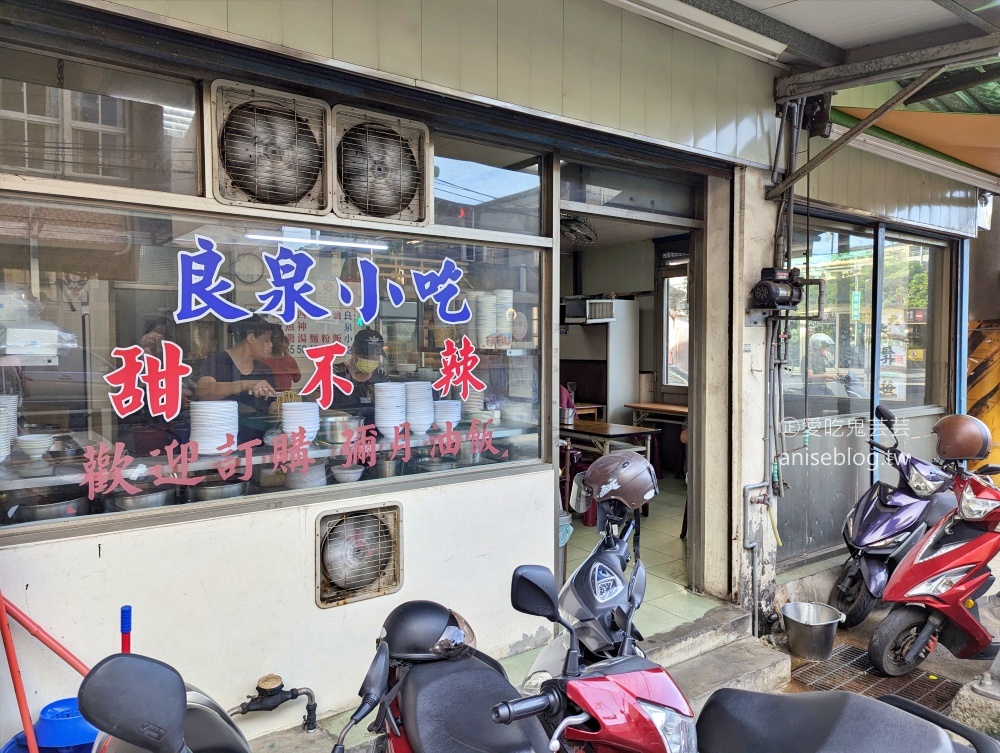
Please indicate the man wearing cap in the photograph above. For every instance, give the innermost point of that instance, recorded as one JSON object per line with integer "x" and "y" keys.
{"x": 363, "y": 369}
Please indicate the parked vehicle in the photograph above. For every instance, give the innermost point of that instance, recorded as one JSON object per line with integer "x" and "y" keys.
{"x": 938, "y": 587}
{"x": 886, "y": 522}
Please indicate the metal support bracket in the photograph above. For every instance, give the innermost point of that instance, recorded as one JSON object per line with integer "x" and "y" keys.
{"x": 988, "y": 683}
{"x": 778, "y": 191}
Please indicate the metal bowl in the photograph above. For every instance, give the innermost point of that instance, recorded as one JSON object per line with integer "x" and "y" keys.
{"x": 208, "y": 491}
{"x": 333, "y": 426}
{"x": 387, "y": 468}
{"x": 66, "y": 508}
{"x": 64, "y": 447}
{"x": 148, "y": 496}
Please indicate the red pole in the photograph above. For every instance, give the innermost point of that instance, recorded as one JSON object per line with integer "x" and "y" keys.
{"x": 15, "y": 676}
{"x": 35, "y": 630}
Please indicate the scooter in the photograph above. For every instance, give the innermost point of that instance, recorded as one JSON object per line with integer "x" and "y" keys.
{"x": 938, "y": 587}
{"x": 886, "y": 522}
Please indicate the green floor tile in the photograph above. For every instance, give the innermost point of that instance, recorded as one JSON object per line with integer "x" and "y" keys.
{"x": 657, "y": 587}
{"x": 685, "y": 604}
{"x": 650, "y": 620}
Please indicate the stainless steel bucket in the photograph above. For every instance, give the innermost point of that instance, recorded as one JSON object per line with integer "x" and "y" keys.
{"x": 566, "y": 416}
{"x": 811, "y": 628}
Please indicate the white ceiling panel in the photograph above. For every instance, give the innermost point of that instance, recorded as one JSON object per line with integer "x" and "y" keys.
{"x": 855, "y": 23}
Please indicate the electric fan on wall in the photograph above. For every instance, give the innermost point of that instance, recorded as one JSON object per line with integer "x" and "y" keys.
{"x": 383, "y": 164}
{"x": 270, "y": 149}
{"x": 358, "y": 555}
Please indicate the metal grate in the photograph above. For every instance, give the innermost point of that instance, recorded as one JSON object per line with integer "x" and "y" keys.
{"x": 270, "y": 149}
{"x": 358, "y": 555}
{"x": 382, "y": 165}
{"x": 849, "y": 668}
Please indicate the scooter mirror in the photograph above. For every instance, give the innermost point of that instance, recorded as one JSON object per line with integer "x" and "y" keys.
{"x": 138, "y": 700}
{"x": 886, "y": 416}
{"x": 637, "y": 585}
{"x": 533, "y": 591}
{"x": 987, "y": 470}
{"x": 377, "y": 678}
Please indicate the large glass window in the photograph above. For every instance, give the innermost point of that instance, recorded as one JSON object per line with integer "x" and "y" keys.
{"x": 64, "y": 119}
{"x": 349, "y": 357}
{"x": 829, "y": 369}
{"x": 618, "y": 189}
{"x": 487, "y": 187}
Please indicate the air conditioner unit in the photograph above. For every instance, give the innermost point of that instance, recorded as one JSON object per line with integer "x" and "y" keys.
{"x": 357, "y": 555}
{"x": 271, "y": 149}
{"x": 384, "y": 167}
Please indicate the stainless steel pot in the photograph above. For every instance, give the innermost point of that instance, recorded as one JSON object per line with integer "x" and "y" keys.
{"x": 333, "y": 426}
{"x": 148, "y": 496}
{"x": 43, "y": 508}
{"x": 387, "y": 468}
{"x": 566, "y": 416}
{"x": 208, "y": 491}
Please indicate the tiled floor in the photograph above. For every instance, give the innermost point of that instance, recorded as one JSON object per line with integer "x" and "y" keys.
{"x": 667, "y": 603}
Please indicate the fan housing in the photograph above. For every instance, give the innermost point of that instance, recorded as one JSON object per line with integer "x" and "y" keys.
{"x": 357, "y": 555}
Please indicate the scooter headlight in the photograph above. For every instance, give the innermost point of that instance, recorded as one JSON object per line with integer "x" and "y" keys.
{"x": 533, "y": 685}
{"x": 920, "y": 484}
{"x": 677, "y": 731}
{"x": 939, "y": 584}
{"x": 972, "y": 507}
{"x": 891, "y": 541}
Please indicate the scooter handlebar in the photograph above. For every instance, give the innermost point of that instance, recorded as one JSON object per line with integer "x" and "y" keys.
{"x": 506, "y": 712}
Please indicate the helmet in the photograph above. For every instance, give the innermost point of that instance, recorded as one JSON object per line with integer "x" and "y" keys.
{"x": 820, "y": 340}
{"x": 427, "y": 631}
{"x": 368, "y": 344}
{"x": 624, "y": 476}
{"x": 962, "y": 437}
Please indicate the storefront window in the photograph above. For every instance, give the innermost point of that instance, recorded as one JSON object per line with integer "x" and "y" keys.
{"x": 64, "y": 119}
{"x": 909, "y": 320}
{"x": 149, "y": 358}
{"x": 618, "y": 189}
{"x": 829, "y": 360}
{"x": 486, "y": 187}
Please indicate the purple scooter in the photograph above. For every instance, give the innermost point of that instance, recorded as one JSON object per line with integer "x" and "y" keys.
{"x": 886, "y": 522}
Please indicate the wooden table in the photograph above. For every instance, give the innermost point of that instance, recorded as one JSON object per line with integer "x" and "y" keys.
{"x": 603, "y": 435}
{"x": 593, "y": 410}
{"x": 670, "y": 414}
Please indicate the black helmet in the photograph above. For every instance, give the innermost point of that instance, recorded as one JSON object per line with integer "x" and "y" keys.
{"x": 427, "y": 631}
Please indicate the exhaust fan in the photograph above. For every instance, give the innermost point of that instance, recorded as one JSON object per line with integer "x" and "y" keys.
{"x": 270, "y": 149}
{"x": 383, "y": 165}
{"x": 358, "y": 555}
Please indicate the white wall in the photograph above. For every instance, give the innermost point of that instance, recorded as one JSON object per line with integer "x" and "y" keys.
{"x": 586, "y": 60}
{"x": 230, "y": 599}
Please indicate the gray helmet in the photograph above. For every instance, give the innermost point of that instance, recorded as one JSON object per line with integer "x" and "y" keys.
{"x": 624, "y": 476}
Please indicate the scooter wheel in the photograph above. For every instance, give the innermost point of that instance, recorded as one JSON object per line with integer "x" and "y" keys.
{"x": 892, "y": 640}
{"x": 851, "y": 595}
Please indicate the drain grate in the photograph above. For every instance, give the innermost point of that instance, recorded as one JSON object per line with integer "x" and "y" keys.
{"x": 849, "y": 668}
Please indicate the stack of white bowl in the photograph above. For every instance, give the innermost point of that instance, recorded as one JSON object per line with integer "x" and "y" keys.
{"x": 211, "y": 421}
{"x": 419, "y": 406}
{"x": 472, "y": 297}
{"x": 474, "y": 404}
{"x": 9, "y": 404}
{"x": 5, "y": 419}
{"x": 390, "y": 406}
{"x": 486, "y": 321}
{"x": 505, "y": 317}
{"x": 446, "y": 411}
{"x": 35, "y": 445}
{"x": 315, "y": 476}
{"x": 295, "y": 416}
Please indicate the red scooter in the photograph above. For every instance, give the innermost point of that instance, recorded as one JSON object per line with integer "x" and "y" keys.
{"x": 938, "y": 587}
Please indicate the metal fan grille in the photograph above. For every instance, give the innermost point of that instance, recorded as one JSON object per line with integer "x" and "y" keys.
{"x": 381, "y": 167}
{"x": 271, "y": 150}
{"x": 358, "y": 555}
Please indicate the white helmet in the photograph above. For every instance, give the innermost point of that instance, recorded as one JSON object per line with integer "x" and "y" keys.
{"x": 820, "y": 340}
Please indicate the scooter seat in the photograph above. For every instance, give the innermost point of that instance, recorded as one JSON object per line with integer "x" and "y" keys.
{"x": 740, "y": 721}
{"x": 445, "y": 708}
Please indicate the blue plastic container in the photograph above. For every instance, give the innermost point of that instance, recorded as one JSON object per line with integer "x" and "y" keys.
{"x": 60, "y": 729}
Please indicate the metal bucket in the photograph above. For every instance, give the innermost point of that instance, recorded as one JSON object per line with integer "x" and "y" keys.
{"x": 811, "y": 628}
{"x": 566, "y": 416}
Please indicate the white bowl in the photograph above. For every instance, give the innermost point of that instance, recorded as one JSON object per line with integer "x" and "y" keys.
{"x": 406, "y": 368}
{"x": 35, "y": 445}
{"x": 347, "y": 473}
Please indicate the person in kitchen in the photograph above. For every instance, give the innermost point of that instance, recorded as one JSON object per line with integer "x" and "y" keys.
{"x": 285, "y": 367}
{"x": 363, "y": 368}
{"x": 240, "y": 373}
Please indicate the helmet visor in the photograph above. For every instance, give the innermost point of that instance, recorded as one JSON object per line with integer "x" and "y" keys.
{"x": 579, "y": 495}
{"x": 457, "y": 641}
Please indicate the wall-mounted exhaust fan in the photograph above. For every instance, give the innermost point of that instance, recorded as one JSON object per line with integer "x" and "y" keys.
{"x": 270, "y": 149}
{"x": 383, "y": 164}
{"x": 358, "y": 555}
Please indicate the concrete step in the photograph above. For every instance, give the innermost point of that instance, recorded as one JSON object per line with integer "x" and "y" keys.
{"x": 747, "y": 664}
{"x": 718, "y": 627}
